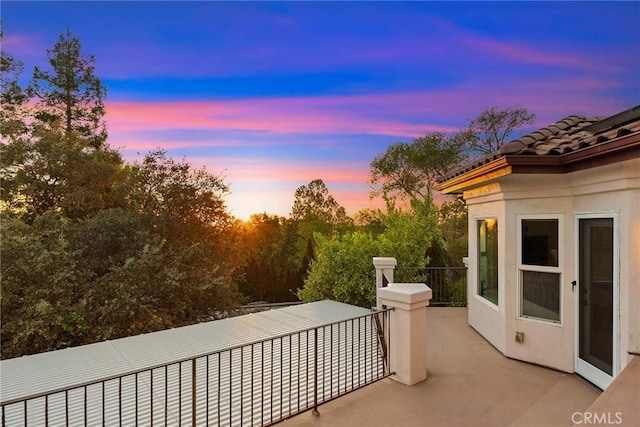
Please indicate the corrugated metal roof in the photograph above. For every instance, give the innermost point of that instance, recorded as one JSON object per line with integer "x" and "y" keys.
{"x": 242, "y": 370}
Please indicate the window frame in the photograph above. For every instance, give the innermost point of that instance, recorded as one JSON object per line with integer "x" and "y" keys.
{"x": 477, "y": 294}
{"x": 559, "y": 270}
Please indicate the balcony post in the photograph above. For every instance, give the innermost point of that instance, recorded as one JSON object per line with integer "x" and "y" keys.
{"x": 408, "y": 335}
{"x": 384, "y": 274}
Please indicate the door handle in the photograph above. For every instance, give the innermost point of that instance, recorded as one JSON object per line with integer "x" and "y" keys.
{"x": 573, "y": 286}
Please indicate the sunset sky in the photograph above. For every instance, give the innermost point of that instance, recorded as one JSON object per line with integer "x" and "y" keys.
{"x": 273, "y": 95}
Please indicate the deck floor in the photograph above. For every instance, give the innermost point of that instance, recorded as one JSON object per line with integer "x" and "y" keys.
{"x": 470, "y": 384}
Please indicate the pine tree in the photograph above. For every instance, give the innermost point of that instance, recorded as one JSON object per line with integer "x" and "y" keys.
{"x": 70, "y": 94}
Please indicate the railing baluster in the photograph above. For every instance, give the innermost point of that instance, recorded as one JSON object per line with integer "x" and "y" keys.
{"x": 136, "y": 399}
{"x": 207, "y": 388}
{"x": 281, "y": 406}
{"x": 290, "y": 372}
{"x": 86, "y": 423}
{"x": 262, "y": 386}
{"x": 359, "y": 349}
{"x": 193, "y": 392}
{"x": 120, "y": 400}
{"x": 166, "y": 395}
{"x": 241, "y": 383}
{"x": 271, "y": 383}
{"x": 151, "y": 396}
{"x": 219, "y": 386}
{"x": 66, "y": 408}
{"x": 331, "y": 366}
{"x": 298, "y": 370}
{"x": 230, "y": 387}
{"x": 315, "y": 370}
{"x": 252, "y": 350}
{"x": 104, "y": 421}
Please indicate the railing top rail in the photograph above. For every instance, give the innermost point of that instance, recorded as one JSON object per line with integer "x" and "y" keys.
{"x": 184, "y": 359}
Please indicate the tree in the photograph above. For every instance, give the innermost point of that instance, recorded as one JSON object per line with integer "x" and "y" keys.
{"x": 370, "y": 220}
{"x": 94, "y": 249}
{"x": 167, "y": 188}
{"x": 54, "y": 155}
{"x": 271, "y": 246}
{"x": 13, "y": 98}
{"x": 71, "y": 94}
{"x": 453, "y": 224}
{"x": 343, "y": 269}
{"x": 49, "y": 170}
{"x": 314, "y": 203}
{"x": 411, "y": 170}
{"x": 44, "y": 304}
{"x": 492, "y": 128}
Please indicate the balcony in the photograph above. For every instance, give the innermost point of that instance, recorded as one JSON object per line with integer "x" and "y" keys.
{"x": 470, "y": 383}
{"x": 278, "y": 365}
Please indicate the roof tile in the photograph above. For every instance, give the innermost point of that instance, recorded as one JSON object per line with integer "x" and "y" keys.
{"x": 569, "y": 134}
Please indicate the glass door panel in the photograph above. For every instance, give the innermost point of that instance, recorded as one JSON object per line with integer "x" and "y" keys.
{"x": 596, "y": 293}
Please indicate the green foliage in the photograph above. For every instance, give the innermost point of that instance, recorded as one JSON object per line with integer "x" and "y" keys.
{"x": 92, "y": 248}
{"x": 42, "y": 286}
{"x": 453, "y": 224}
{"x": 13, "y": 98}
{"x": 313, "y": 204}
{"x": 273, "y": 258}
{"x": 53, "y": 171}
{"x": 370, "y": 221}
{"x": 492, "y": 128}
{"x": 343, "y": 269}
{"x": 410, "y": 170}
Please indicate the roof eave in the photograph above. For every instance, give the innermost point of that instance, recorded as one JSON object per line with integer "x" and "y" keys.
{"x": 616, "y": 150}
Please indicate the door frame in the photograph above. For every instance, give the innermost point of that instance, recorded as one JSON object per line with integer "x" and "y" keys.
{"x": 582, "y": 367}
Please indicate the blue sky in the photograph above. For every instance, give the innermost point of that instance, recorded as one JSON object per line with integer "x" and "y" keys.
{"x": 276, "y": 94}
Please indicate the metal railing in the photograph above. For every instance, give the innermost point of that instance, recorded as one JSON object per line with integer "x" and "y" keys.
{"x": 448, "y": 284}
{"x": 255, "y": 384}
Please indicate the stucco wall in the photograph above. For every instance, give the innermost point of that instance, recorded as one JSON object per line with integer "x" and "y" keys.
{"x": 613, "y": 189}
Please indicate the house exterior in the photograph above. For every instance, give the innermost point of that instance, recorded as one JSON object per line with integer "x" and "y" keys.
{"x": 554, "y": 245}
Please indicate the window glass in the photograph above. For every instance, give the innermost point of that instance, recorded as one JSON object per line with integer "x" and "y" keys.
{"x": 488, "y": 259}
{"x": 541, "y": 295}
{"x": 540, "y": 242}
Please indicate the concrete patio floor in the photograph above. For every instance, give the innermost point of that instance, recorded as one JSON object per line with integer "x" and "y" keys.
{"x": 470, "y": 384}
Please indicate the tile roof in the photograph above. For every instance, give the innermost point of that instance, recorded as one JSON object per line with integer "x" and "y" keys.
{"x": 570, "y": 134}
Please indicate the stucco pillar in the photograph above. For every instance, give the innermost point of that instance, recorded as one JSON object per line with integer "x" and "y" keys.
{"x": 384, "y": 273}
{"x": 408, "y": 330}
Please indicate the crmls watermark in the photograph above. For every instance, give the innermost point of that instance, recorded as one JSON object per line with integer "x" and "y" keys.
{"x": 586, "y": 418}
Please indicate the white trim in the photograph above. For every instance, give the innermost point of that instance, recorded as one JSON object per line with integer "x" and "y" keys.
{"x": 486, "y": 302}
{"x": 476, "y": 233}
{"x": 583, "y": 368}
{"x": 520, "y": 267}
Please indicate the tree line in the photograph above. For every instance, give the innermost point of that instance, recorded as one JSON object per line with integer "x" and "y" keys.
{"x": 95, "y": 248}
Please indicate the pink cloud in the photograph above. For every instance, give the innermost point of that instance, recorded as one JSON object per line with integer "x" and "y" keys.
{"x": 408, "y": 114}
{"x": 525, "y": 54}
{"x": 25, "y": 47}
{"x": 249, "y": 170}
{"x": 325, "y": 114}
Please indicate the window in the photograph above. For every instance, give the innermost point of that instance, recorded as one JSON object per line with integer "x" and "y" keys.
{"x": 488, "y": 259}
{"x": 539, "y": 269}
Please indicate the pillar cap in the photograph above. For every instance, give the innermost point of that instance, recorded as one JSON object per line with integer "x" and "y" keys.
{"x": 406, "y": 293}
{"x": 382, "y": 262}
